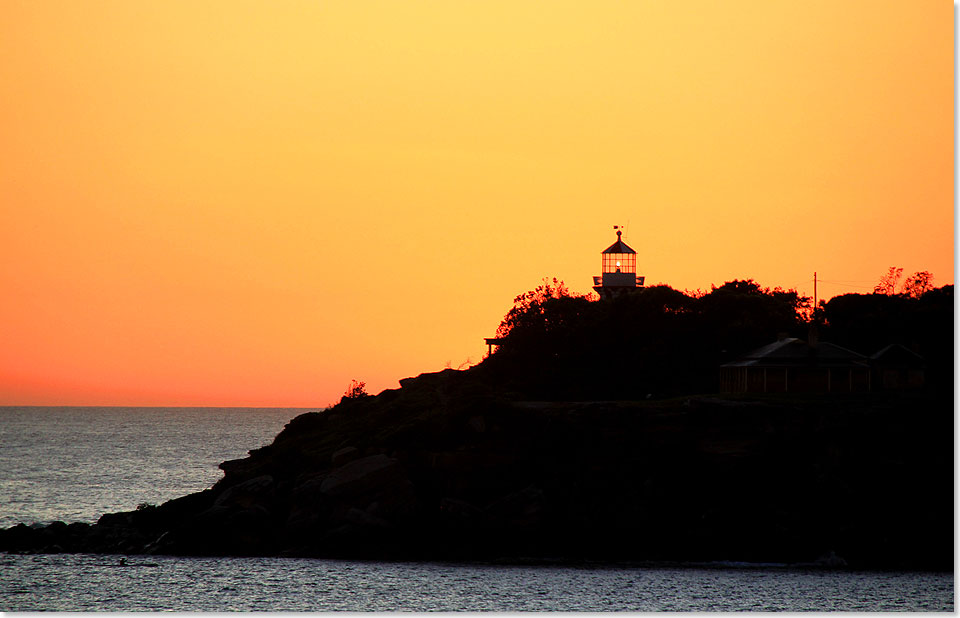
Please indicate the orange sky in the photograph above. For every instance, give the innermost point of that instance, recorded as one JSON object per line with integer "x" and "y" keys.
{"x": 252, "y": 203}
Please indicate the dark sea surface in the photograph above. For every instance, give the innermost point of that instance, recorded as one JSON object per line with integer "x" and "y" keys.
{"x": 74, "y": 464}
{"x": 102, "y": 583}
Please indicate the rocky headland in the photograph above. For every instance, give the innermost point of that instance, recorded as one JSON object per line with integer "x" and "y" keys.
{"x": 443, "y": 468}
{"x": 591, "y": 434}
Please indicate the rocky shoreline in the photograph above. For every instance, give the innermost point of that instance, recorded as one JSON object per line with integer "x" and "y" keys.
{"x": 446, "y": 469}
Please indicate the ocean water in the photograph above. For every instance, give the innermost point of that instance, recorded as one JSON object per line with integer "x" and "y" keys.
{"x": 155, "y": 583}
{"x": 73, "y": 464}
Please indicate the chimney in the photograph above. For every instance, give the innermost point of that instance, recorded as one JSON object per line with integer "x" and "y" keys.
{"x": 813, "y": 336}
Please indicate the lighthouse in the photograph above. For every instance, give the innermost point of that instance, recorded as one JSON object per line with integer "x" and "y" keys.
{"x": 619, "y": 270}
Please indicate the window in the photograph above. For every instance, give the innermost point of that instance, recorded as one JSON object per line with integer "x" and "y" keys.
{"x": 620, "y": 262}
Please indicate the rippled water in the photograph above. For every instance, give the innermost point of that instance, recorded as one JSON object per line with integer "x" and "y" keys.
{"x": 75, "y": 464}
{"x": 100, "y": 583}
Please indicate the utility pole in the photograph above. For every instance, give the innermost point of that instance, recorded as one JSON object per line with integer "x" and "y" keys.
{"x": 814, "y": 290}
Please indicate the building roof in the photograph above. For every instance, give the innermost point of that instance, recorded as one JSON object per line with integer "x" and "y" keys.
{"x": 896, "y": 354}
{"x": 619, "y": 246}
{"x": 793, "y": 352}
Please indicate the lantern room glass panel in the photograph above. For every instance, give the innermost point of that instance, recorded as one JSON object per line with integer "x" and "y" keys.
{"x": 620, "y": 263}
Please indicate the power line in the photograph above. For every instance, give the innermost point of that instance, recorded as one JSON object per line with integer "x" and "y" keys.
{"x": 846, "y": 284}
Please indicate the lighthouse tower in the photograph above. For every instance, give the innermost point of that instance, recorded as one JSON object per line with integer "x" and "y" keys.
{"x": 619, "y": 270}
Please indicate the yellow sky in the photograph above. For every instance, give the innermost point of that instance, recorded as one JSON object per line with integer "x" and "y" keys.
{"x": 252, "y": 203}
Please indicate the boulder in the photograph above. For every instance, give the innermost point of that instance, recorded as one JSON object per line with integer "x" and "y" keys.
{"x": 257, "y": 490}
{"x": 307, "y": 489}
{"x": 362, "y": 476}
{"x": 344, "y": 456}
{"x": 18, "y": 538}
{"x": 520, "y": 509}
{"x": 831, "y": 560}
{"x": 377, "y": 485}
{"x": 234, "y": 529}
{"x": 461, "y": 515}
{"x": 115, "y": 519}
{"x": 477, "y": 424}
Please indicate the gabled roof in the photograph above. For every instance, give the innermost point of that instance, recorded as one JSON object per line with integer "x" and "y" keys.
{"x": 619, "y": 247}
{"x": 791, "y": 352}
{"x": 896, "y": 354}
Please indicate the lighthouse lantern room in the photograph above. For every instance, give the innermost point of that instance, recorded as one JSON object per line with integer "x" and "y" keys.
{"x": 619, "y": 269}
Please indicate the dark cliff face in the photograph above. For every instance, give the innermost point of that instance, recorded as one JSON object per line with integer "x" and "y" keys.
{"x": 446, "y": 468}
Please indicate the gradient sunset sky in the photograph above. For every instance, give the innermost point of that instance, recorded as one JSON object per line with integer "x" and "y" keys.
{"x": 252, "y": 203}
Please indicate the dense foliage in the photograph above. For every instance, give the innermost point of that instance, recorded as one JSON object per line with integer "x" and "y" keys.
{"x": 868, "y": 322}
{"x": 658, "y": 341}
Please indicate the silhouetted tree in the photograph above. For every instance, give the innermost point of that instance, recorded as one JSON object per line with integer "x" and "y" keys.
{"x": 532, "y": 307}
{"x": 739, "y": 316}
{"x": 888, "y": 282}
{"x": 918, "y": 284}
